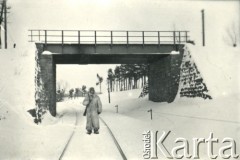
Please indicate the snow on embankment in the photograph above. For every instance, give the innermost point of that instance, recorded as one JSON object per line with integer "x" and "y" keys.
{"x": 20, "y": 138}
{"x": 17, "y": 82}
{"x": 219, "y": 67}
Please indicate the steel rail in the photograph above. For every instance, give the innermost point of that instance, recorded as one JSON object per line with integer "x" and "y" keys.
{"x": 115, "y": 140}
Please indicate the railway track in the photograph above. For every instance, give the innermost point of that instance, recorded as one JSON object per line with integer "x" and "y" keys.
{"x": 109, "y": 131}
{"x": 115, "y": 140}
{"x": 70, "y": 138}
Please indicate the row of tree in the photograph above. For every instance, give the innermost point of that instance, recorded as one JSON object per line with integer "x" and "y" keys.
{"x": 127, "y": 77}
{"x": 123, "y": 77}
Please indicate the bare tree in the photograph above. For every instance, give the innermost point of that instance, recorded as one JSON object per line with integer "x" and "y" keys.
{"x": 62, "y": 85}
{"x": 231, "y": 36}
{"x": 176, "y": 37}
{"x": 100, "y": 80}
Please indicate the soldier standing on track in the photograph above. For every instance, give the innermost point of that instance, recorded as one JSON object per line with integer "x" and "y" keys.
{"x": 93, "y": 109}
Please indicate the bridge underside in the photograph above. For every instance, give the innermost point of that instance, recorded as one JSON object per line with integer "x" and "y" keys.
{"x": 105, "y": 59}
{"x": 164, "y": 68}
{"x": 110, "y": 49}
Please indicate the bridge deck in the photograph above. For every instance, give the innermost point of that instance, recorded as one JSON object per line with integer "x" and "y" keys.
{"x": 114, "y": 37}
{"x": 108, "y": 42}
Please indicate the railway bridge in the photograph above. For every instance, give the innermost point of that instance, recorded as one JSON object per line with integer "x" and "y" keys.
{"x": 162, "y": 50}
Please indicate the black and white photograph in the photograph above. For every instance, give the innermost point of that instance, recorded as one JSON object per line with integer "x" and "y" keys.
{"x": 119, "y": 80}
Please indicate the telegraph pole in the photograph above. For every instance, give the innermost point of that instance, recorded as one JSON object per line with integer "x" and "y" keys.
{"x": 109, "y": 99}
{"x": 1, "y": 19}
{"x": 5, "y": 22}
{"x": 203, "y": 28}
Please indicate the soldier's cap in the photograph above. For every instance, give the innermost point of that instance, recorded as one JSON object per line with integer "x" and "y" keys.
{"x": 91, "y": 90}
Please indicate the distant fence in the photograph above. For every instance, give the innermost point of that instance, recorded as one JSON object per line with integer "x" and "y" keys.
{"x": 108, "y": 37}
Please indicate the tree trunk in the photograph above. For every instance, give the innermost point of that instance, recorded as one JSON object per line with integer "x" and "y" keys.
{"x": 134, "y": 83}
{"x": 129, "y": 83}
{"x": 113, "y": 85}
{"x": 126, "y": 84}
{"x": 110, "y": 85}
{"x": 120, "y": 85}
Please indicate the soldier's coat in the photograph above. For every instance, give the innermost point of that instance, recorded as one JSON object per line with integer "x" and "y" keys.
{"x": 93, "y": 109}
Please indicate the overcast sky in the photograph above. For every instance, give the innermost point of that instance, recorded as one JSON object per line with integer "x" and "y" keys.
{"x": 120, "y": 15}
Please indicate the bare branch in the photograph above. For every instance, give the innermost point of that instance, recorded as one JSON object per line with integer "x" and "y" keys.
{"x": 232, "y": 35}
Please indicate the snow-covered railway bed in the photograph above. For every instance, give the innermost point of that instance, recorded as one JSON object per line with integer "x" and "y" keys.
{"x": 95, "y": 146}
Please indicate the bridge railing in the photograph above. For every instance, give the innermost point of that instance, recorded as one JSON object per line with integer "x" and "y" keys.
{"x": 107, "y": 37}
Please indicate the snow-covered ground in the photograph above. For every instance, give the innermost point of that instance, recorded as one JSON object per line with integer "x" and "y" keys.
{"x": 220, "y": 68}
{"x": 20, "y": 138}
{"x": 186, "y": 117}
